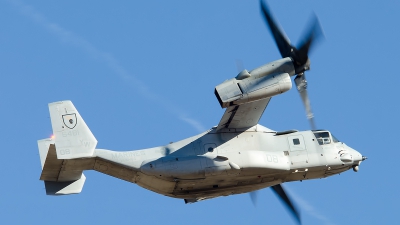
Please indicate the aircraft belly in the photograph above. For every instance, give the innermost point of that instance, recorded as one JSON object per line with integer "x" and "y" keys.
{"x": 336, "y": 170}
{"x": 214, "y": 188}
{"x": 155, "y": 184}
{"x": 216, "y": 183}
{"x": 306, "y": 173}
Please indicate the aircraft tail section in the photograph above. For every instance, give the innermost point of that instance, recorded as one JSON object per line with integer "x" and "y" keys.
{"x": 72, "y": 150}
{"x": 44, "y": 146}
{"x": 57, "y": 180}
{"x": 64, "y": 156}
{"x": 72, "y": 136}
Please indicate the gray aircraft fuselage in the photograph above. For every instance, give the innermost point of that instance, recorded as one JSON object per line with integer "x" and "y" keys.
{"x": 233, "y": 161}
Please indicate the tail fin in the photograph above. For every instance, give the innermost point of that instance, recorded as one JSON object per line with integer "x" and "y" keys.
{"x": 44, "y": 146}
{"x": 72, "y": 136}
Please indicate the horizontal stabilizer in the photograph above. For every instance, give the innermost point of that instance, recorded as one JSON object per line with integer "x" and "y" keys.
{"x": 64, "y": 176}
{"x": 65, "y": 188}
{"x": 56, "y": 179}
{"x": 72, "y": 136}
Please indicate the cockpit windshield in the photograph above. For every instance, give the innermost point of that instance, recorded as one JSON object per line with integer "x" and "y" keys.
{"x": 323, "y": 137}
{"x": 335, "y": 140}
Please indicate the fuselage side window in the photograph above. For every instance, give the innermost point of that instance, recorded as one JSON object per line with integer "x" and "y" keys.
{"x": 296, "y": 141}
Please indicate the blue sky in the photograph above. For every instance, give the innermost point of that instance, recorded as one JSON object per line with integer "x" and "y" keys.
{"x": 143, "y": 74}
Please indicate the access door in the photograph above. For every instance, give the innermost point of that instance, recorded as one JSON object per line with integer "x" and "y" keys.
{"x": 298, "y": 150}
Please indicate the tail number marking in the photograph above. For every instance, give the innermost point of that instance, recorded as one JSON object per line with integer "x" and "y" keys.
{"x": 272, "y": 158}
{"x": 86, "y": 144}
{"x": 71, "y": 133}
{"x": 65, "y": 151}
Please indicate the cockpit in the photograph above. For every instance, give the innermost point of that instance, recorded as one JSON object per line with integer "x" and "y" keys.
{"x": 324, "y": 137}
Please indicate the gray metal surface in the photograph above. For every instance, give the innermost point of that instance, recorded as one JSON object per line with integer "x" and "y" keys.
{"x": 72, "y": 136}
{"x": 243, "y": 116}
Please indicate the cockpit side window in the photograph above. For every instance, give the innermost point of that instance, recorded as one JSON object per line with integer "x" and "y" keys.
{"x": 323, "y": 137}
{"x": 335, "y": 140}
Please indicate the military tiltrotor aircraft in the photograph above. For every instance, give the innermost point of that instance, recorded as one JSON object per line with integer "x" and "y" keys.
{"x": 237, "y": 156}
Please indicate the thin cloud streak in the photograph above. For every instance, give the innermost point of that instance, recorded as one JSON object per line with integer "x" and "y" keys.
{"x": 71, "y": 38}
{"x": 193, "y": 122}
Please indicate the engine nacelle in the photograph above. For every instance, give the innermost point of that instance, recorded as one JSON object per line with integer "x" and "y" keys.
{"x": 237, "y": 92}
{"x": 265, "y": 81}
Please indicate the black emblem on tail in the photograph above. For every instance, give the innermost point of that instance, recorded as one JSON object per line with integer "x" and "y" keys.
{"x": 69, "y": 120}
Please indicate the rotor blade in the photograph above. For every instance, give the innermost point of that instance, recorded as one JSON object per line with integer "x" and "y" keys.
{"x": 314, "y": 33}
{"x": 281, "y": 40}
{"x": 301, "y": 84}
{"x": 239, "y": 65}
{"x": 278, "y": 189}
{"x": 254, "y": 197}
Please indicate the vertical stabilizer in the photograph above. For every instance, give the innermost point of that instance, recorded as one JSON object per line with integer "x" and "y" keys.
{"x": 73, "y": 138}
{"x": 44, "y": 146}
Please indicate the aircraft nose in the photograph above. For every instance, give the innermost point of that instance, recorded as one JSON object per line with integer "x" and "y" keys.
{"x": 357, "y": 159}
{"x": 356, "y": 155}
{"x": 350, "y": 156}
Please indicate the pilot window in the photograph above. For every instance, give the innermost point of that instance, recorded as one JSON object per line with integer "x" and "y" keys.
{"x": 323, "y": 138}
{"x": 296, "y": 141}
{"x": 335, "y": 140}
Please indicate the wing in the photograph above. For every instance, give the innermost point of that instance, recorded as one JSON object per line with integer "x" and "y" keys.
{"x": 243, "y": 116}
